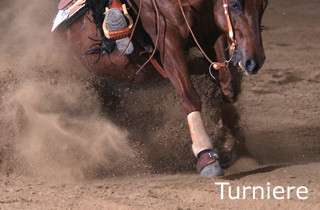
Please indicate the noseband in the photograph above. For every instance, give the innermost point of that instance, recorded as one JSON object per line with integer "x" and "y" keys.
{"x": 233, "y": 45}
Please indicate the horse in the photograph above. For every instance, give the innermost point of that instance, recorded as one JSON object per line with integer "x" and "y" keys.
{"x": 174, "y": 26}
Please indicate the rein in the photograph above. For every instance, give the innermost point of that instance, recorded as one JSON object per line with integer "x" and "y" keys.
{"x": 215, "y": 65}
{"x": 151, "y": 58}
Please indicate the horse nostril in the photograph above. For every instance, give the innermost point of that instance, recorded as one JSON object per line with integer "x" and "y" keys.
{"x": 251, "y": 66}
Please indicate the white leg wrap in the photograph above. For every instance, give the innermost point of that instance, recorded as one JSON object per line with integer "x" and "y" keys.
{"x": 199, "y": 136}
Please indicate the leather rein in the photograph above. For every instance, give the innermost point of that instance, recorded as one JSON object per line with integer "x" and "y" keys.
{"x": 214, "y": 65}
{"x": 232, "y": 47}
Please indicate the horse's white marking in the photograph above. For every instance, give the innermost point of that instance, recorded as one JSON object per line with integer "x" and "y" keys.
{"x": 245, "y": 71}
{"x": 239, "y": 64}
{"x": 199, "y": 136}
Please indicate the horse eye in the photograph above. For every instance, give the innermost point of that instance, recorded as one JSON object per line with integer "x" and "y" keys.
{"x": 235, "y": 5}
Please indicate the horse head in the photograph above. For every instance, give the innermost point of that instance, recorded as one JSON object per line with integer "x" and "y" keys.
{"x": 245, "y": 16}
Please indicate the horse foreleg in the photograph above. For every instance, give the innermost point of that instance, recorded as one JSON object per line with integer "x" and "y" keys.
{"x": 227, "y": 78}
{"x": 176, "y": 69}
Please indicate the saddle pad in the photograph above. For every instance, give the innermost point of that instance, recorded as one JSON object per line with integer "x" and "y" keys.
{"x": 67, "y": 13}
{"x": 64, "y": 3}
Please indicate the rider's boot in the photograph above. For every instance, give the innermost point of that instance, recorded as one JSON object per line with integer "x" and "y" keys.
{"x": 115, "y": 20}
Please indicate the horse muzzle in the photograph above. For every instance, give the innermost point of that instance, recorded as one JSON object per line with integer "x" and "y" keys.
{"x": 250, "y": 65}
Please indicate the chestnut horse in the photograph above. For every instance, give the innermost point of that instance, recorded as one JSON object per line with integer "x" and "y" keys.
{"x": 163, "y": 20}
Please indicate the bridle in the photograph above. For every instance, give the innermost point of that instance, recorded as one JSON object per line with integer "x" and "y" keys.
{"x": 233, "y": 45}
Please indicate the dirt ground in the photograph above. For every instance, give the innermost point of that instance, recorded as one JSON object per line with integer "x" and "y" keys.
{"x": 70, "y": 142}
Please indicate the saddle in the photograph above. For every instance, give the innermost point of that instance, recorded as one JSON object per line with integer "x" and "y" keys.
{"x": 113, "y": 32}
{"x": 67, "y": 8}
{"x": 69, "y": 11}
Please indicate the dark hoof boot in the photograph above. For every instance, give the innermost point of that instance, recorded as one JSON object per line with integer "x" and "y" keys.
{"x": 213, "y": 169}
{"x": 208, "y": 164}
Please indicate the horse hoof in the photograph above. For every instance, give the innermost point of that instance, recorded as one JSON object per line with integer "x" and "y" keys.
{"x": 230, "y": 96}
{"x": 213, "y": 169}
{"x": 208, "y": 164}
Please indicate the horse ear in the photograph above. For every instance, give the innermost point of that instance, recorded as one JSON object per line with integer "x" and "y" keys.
{"x": 264, "y": 4}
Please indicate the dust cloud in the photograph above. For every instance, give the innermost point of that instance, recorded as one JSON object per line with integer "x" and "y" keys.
{"x": 53, "y": 121}
{"x": 50, "y": 124}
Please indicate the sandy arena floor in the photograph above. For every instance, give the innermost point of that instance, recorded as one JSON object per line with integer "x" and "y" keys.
{"x": 62, "y": 146}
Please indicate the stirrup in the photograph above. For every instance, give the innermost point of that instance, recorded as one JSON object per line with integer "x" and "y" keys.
{"x": 121, "y": 33}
